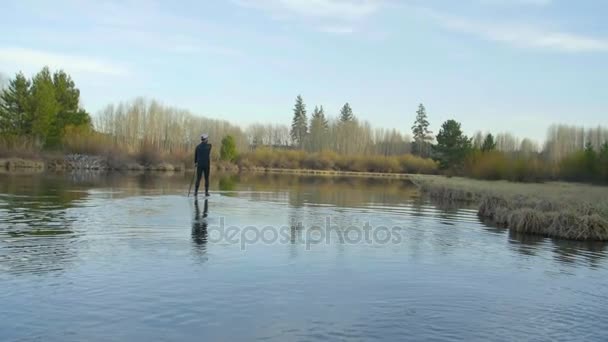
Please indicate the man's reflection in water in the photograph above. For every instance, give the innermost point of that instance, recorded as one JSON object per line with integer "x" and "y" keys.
{"x": 199, "y": 226}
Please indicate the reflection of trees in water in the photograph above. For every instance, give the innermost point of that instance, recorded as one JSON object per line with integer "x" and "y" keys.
{"x": 36, "y": 191}
{"x": 35, "y": 227}
{"x": 39, "y": 252}
{"x": 338, "y": 191}
{"x": 228, "y": 182}
{"x": 67, "y": 183}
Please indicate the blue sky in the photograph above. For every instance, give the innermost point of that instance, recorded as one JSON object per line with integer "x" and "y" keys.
{"x": 494, "y": 65}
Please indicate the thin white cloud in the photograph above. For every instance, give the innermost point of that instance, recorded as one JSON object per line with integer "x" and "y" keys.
{"x": 344, "y": 9}
{"x": 516, "y": 2}
{"x": 339, "y": 17}
{"x": 337, "y": 29}
{"x": 30, "y": 58}
{"x": 523, "y": 36}
{"x": 129, "y": 23}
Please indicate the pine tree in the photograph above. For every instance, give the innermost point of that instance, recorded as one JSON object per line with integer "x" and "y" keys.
{"x": 66, "y": 92}
{"x": 15, "y": 113}
{"x": 69, "y": 113}
{"x": 488, "y": 143}
{"x": 346, "y": 113}
{"x": 452, "y": 146}
{"x": 44, "y": 104}
{"x": 299, "y": 125}
{"x": 318, "y": 130}
{"x": 320, "y": 114}
{"x": 42, "y": 108}
{"x": 422, "y": 134}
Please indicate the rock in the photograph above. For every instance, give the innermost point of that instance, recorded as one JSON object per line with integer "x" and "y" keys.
{"x": 17, "y": 163}
{"x": 164, "y": 167}
{"x": 134, "y": 167}
{"x": 85, "y": 162}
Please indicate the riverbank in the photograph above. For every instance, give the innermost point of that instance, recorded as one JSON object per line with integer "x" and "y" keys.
{"x": 554, "y": 209}
{"x": 328, "y": 173}
{"x": 82, "y": 162}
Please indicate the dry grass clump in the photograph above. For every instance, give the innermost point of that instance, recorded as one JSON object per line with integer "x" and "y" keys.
{"x": 446, "y": 194}
{"x": 527, "y": 220}
{"x": 561, "y": 220}
{"x": 19, "y": 147}
{"x": 569, "y": 211}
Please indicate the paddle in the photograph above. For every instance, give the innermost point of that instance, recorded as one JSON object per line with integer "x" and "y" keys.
{"x": 191, "y": 182}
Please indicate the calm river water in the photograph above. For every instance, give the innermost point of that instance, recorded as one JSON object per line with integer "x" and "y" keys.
{"x": 126, "y": 257}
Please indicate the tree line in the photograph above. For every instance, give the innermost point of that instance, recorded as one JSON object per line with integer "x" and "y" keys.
{"x": 41, "y": 108}
{"x": 46, "y": 109}
{"x": 345, "y": 134}
{"x": 572, "y": 153}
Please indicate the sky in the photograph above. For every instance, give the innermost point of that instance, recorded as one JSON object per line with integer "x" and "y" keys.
{"x": 494, "y": 65}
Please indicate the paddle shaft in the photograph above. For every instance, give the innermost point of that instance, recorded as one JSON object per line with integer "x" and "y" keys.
{"x": 191, "y": 182}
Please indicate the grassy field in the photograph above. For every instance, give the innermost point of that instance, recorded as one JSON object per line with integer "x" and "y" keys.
{"x": 557, "y": 209}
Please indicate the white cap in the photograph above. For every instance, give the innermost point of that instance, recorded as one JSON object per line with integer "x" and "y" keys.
{"x": 205, "y": 136}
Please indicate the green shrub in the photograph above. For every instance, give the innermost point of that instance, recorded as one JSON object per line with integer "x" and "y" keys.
{"x": 228, "y": 149}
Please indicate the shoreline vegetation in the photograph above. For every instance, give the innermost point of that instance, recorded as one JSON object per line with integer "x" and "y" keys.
{"x": 43, "y": 126}
{"x": 572, "y": 211}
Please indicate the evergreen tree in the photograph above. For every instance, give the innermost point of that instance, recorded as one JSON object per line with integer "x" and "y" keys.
{"x": 42, "y": 108}
{"x": 44, "y": 104}
{"x": 319, "y": 113}
{"x": 422, "y": 134}
{"x": 15, "y": 114}
{"x": 318, "y": 130}
{"x": 452, "y": 146}
{"x": 488, "y": 143}
{"x": 69, "y": 113}
{"x": 66, "y": 92}
{"x": 299, "y": 125}
{"x": 346, "y": 113}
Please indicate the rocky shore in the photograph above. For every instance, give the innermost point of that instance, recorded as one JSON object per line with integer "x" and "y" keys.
{"x": 81, "y": 162}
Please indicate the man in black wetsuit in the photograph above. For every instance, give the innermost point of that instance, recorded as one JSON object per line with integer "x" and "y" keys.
{"x": 202, "y": 161}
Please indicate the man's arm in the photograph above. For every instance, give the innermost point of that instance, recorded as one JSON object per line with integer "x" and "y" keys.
{"x": 195, "y": 155}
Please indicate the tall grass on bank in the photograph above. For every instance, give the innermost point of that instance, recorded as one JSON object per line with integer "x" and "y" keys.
{"x": 562, "y": 210}
{"x": 568, "y": 220}
{"x": 20, "y": 147}
{"x": 87, "y": 142}
{"x": 294, "y": 159}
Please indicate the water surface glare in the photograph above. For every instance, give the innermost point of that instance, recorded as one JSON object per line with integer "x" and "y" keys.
{"x": 128, "y": 257}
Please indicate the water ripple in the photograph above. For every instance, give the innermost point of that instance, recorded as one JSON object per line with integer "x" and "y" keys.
{"x": 125, "y": 259}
